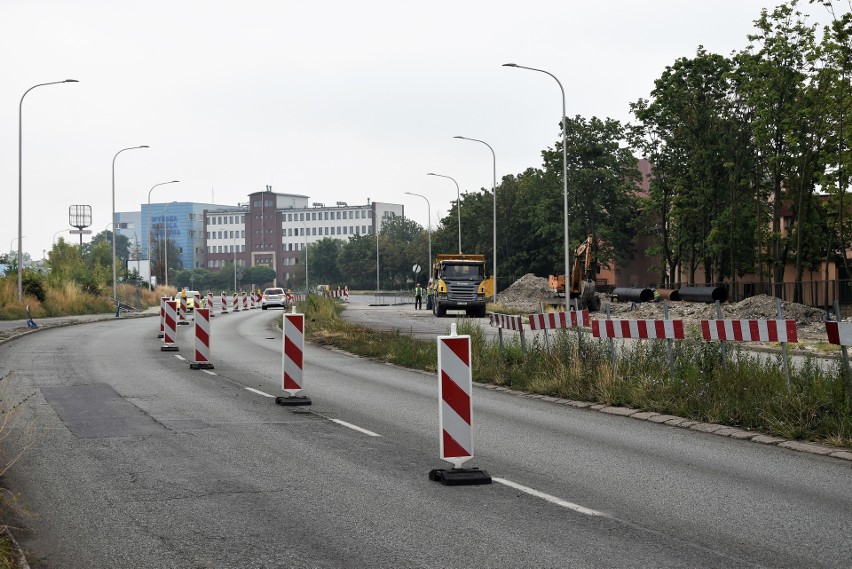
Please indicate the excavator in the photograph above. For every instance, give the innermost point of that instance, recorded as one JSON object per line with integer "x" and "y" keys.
{"x": 582, "y": 278}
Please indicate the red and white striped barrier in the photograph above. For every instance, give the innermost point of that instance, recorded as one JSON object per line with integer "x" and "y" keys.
{"x": 236, "y": 303}
{"x": 202, "y": 340}
{"x": 196, "y": 300}
{"x": 507, "y": 321}
{"x": 224, "y": 303}
{"x": 639, "y": 329}
{"x": 455, "y": 412}
{"x": 455, "y": 382}
{"x": 559, "y": 320}
{"x": 344, "y": 294}
{"x": 163, "y": 300}
{"x": 750, "y": 330}
{"x": 839, "y": 333}
{"x": 245, "y": 301}
{"x": 294, "y": 348}
{"x": 292, "y": 360}
{"x": 170, "y": 327}
{"x": 211, "y": 304}
{"x": 182, "y": 321}
{"x": 252, "y": 297}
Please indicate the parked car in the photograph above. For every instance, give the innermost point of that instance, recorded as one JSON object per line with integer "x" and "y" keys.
{"x": 273, "y": 297}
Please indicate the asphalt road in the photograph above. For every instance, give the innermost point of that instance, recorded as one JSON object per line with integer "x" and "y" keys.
{"x": 138, "y": 461}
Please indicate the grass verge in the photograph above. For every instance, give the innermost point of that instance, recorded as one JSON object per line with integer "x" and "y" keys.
{"x": 743, "y": 390}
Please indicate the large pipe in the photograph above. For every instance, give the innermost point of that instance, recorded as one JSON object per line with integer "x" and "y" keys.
{"x": 703, "y": 294}
{"x": 668, "y": 294}
{"x": 634, "y": 294}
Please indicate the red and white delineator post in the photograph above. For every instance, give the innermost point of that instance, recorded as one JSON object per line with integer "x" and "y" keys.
{"x": 163, "y": 300}
{"x": 245, "y": 301}
{"x": 182, "y": 321}
{"x": 292, "y": 359}
{"x": 455, "y": 412}
{"x": 170, "y": 328}
{"x": 236, "y": 301}
{"x": 211, "y": 304}
{"x": 202, "y": 340}
{"x": 224, "y": 303}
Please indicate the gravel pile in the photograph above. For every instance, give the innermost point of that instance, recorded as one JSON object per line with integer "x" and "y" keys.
{"x": 759, "y": 307}
{"x": 525, "y": 293}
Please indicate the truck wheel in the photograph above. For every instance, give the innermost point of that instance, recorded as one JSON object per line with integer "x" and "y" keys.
{"x": 441, "y": 312}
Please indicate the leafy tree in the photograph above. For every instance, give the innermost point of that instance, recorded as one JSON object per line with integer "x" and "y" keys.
{"x": 260, "y": 275}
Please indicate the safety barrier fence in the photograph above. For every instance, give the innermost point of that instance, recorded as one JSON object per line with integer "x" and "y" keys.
{"x": 780, "y": 330}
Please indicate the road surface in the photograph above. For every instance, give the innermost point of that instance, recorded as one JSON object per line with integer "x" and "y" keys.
{"x": 138, "y": 461}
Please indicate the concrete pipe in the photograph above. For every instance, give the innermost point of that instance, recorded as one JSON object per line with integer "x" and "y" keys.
{"x": 703, "y": 294}
{"x": 634, "y": 294}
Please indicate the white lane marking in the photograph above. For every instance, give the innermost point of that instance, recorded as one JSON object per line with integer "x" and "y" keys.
{"x": 354, "y": 427}
{"x": 259, "y": 392}
{"x": 208, "y": 372}
{"x": 552, "y": 499}
{"x": 180, "y": 357}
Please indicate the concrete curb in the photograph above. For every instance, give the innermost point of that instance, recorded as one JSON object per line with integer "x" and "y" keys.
{"x": 674, "y": 421}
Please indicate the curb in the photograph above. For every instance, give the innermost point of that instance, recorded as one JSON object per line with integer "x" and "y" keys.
{"x": 841, "y": 453}
{"x": 17, "y": 552}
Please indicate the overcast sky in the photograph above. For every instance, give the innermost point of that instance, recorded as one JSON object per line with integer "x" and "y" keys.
{"x": 337, "y": 100}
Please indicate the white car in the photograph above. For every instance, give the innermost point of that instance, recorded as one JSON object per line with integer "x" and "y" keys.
{"x": 273, "y": 297}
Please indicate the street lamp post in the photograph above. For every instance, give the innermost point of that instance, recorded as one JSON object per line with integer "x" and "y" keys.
{"x": 494, "y": 218}
{"x": 307, "y": 288}
{"x": 564, "y": 175}
{"x": 20, "y": 183}
{"x": 165, "y": 243}
{"x": 150, "y": 225}
{"x": 234, "y": 247}
{"x": 429, "y": 223}
{"x": 114, "y": 287}
{"x": 458, "y": 202}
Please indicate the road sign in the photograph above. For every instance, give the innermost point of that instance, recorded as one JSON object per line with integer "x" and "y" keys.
{"x": 80, "y": 231}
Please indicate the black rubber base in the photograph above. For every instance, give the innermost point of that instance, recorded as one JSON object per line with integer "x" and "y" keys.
{"x": 293, "y": 400}
{"x": 460, "y": 477}
{"x": 161, "y": 335}
{"x": 200, "y": 365}
{"x": 169, "y": 348}
{"x": 183, "y": 323}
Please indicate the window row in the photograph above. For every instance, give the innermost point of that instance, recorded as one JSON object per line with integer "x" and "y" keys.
{"x": 329, "y": 215}
{"x": 225, "y": 249}
{"x": 226, "y": 219}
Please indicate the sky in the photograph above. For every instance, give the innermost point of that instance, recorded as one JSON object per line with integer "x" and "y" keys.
{"x": 336, "y": 100}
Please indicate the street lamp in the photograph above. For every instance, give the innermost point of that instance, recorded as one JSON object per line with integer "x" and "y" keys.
{"x": 114, "y": 287}
{"x": 564, "y": 175}
{"x": 494, "y": 219}
{"x": 458, "y": 202}
{"x": 429, "y": 222}
{"x": 150, "y": 286}
{"x": 57, "y": 233}
{"x": 20, "y": 185}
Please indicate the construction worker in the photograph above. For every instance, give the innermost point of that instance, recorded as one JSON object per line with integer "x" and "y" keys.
{"x": 418, "y": 297}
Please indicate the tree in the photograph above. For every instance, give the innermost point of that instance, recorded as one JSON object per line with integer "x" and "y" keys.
{"x": 774, "y": 75}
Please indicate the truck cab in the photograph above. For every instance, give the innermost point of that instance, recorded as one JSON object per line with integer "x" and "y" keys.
{"x": 459, "y": 282}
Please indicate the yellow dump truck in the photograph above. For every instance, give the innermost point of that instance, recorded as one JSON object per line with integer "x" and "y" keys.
{"x": 459, "y": 282}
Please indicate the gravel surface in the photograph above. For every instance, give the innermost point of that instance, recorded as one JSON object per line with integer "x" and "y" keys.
{"x": 528, "y": 292}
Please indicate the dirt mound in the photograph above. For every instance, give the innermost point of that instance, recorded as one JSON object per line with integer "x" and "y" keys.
{"x": 525, "y": 293}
